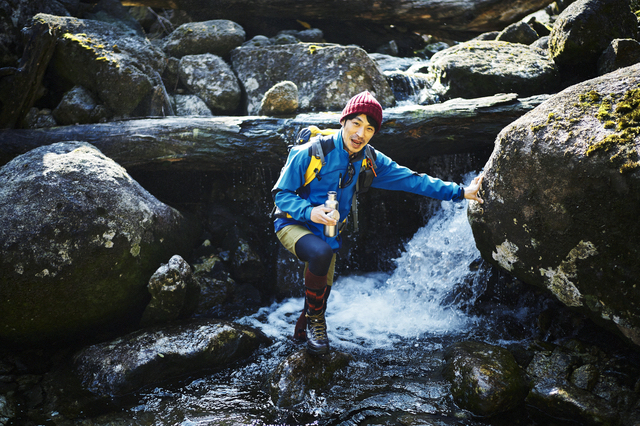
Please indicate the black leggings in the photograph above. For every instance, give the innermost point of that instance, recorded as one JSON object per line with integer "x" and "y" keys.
{"x": 317, "y": 252}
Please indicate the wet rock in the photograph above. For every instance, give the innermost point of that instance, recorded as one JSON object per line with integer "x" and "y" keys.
{"x": 281, "y": 99}
{"x": 559, "y": 192}
{"x": 585, "y": 377}
{"x": 78, "y": 106}
{"x": 620, "y": 53}
{"x": 7, "y": 409}
{"x": 484, "y": 68}
{"x": 345, "y": 72}
{"x": 519, "y": 32}
{"x": 158, "y": 354}
{"x": 559, "y": 399}
{"x": 174, "y": 293}
{"x": 584, "y": 30}
{"x": 485, "y": 379}
{"x": 300, "y": 373}
{"x": 188, "y": 105}
{"x": 246, "y": 263}
{"x": 119, "y": 68}
{"x": 217, "y": 37}
{"x": 210, "y": 78}
{"x": 79, "y": 239}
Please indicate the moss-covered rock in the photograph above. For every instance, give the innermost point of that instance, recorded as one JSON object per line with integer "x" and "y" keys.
{"x": 79, "y": 239}
{"x": 485, "y": 379}
{"x": 562, "y": 192}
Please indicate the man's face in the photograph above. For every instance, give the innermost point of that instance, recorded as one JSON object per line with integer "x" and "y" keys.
{"x": 356, "y": 133}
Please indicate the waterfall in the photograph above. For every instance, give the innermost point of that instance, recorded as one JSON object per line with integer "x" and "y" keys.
{"x": 378, "y": 310}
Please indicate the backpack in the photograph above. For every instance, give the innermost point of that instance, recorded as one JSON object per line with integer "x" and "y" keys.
{"x": 317, "y": 151}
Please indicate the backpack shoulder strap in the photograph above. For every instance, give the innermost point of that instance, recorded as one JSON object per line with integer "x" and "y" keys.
{"x": 320, "y": 146}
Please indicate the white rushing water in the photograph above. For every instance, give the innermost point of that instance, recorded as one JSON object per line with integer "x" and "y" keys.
{"x": 377, "y": 310}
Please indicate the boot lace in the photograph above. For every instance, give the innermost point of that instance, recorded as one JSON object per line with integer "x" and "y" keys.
{"x": 317, "y": 326}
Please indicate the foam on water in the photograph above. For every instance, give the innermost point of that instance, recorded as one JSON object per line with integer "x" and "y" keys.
{"x": 377, "y": 310}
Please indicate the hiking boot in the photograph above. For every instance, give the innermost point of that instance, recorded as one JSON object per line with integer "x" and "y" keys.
{"x": 317, "y": 340}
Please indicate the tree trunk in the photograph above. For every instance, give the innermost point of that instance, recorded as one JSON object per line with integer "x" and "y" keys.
{"x": 231, "y": 143}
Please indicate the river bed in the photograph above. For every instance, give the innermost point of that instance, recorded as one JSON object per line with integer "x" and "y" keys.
{"x": 395, "y": 325}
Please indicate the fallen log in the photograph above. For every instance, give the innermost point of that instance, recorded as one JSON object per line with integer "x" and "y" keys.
{"x": 426, "y": 16}
{"x": 232, "y": 143}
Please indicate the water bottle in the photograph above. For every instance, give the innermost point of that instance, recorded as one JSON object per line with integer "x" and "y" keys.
{"x": 332, "y": 203}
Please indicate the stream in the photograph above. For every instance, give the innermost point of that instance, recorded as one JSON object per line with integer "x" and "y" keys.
{"x": 396, "y": 326}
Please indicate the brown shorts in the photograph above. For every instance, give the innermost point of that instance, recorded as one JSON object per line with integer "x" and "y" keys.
{"x": 289, "y": 236}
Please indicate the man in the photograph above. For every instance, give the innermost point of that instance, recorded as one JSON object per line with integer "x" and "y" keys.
{"x": 302, "y": 215}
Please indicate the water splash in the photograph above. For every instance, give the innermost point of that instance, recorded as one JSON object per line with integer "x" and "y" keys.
{"x": 379, "y": 310}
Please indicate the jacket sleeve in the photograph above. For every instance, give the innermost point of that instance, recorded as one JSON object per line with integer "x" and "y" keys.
{"x": 291, "y": 178}
{"x": 392, "y": 176}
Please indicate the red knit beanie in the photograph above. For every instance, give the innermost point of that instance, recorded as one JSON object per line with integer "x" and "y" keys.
{"x": 364, "y": 103}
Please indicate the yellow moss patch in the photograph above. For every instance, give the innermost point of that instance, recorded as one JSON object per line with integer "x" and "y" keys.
{"x": 625, "y": 117}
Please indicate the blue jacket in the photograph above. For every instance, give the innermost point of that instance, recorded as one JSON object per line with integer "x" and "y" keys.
{"x": 298, "y": 200}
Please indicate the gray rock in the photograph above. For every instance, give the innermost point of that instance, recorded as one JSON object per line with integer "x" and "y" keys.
{"x": 78, "y": 106}
{"x": 158, "y": 354}
{"x": 38, "y": 119}
{"x": 283, "y": 38}
{"x": 541, "y": 43}
{"x": 79, "y": 239}
{"x": 518, "y": 32}
{"x": 485, "y": 379}
{"x": 190, "y": 105}
{"x": 584, "y": 30}
{"x": 119, "y": 68}
{"x": 301, "y": 373}
{"x": 174, "y": 293}
{"x": 620, "y": 53}
{"x": 561, "y": 190}
{"x": 346, "y": 71}
{"x": 258, "y": 41}
{"x": 484, "y": 68}
{"x": 210, "y": 78}
{"x": 217, "y": 37}
{"x": 281, "y": 99}
{"x": 312, "y": 35}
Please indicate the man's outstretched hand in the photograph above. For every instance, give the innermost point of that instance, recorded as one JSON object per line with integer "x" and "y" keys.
{"x": 471, "y": 191}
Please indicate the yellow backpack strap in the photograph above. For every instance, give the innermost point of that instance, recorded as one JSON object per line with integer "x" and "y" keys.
{"x": 314, "y": 168}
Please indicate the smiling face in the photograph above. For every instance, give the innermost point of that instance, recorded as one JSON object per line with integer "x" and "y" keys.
{"x": 356, "y": 133}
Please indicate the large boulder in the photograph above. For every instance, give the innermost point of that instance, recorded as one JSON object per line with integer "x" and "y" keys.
{"x": 155, "y": 355}
{"x": 480, "y": 68}
{"x": 326, "y": 75}
{"x": 217, "y": 37}
{"x": 584, "y": 30}
{"x": 211, "y": 79}
{"x": 562, "y": 195}
{"x": 121, "y": 69}
{"x": 79, "y": 240}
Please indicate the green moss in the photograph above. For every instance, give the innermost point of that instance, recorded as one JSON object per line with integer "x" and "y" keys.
{"x": 625, "y": 118}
